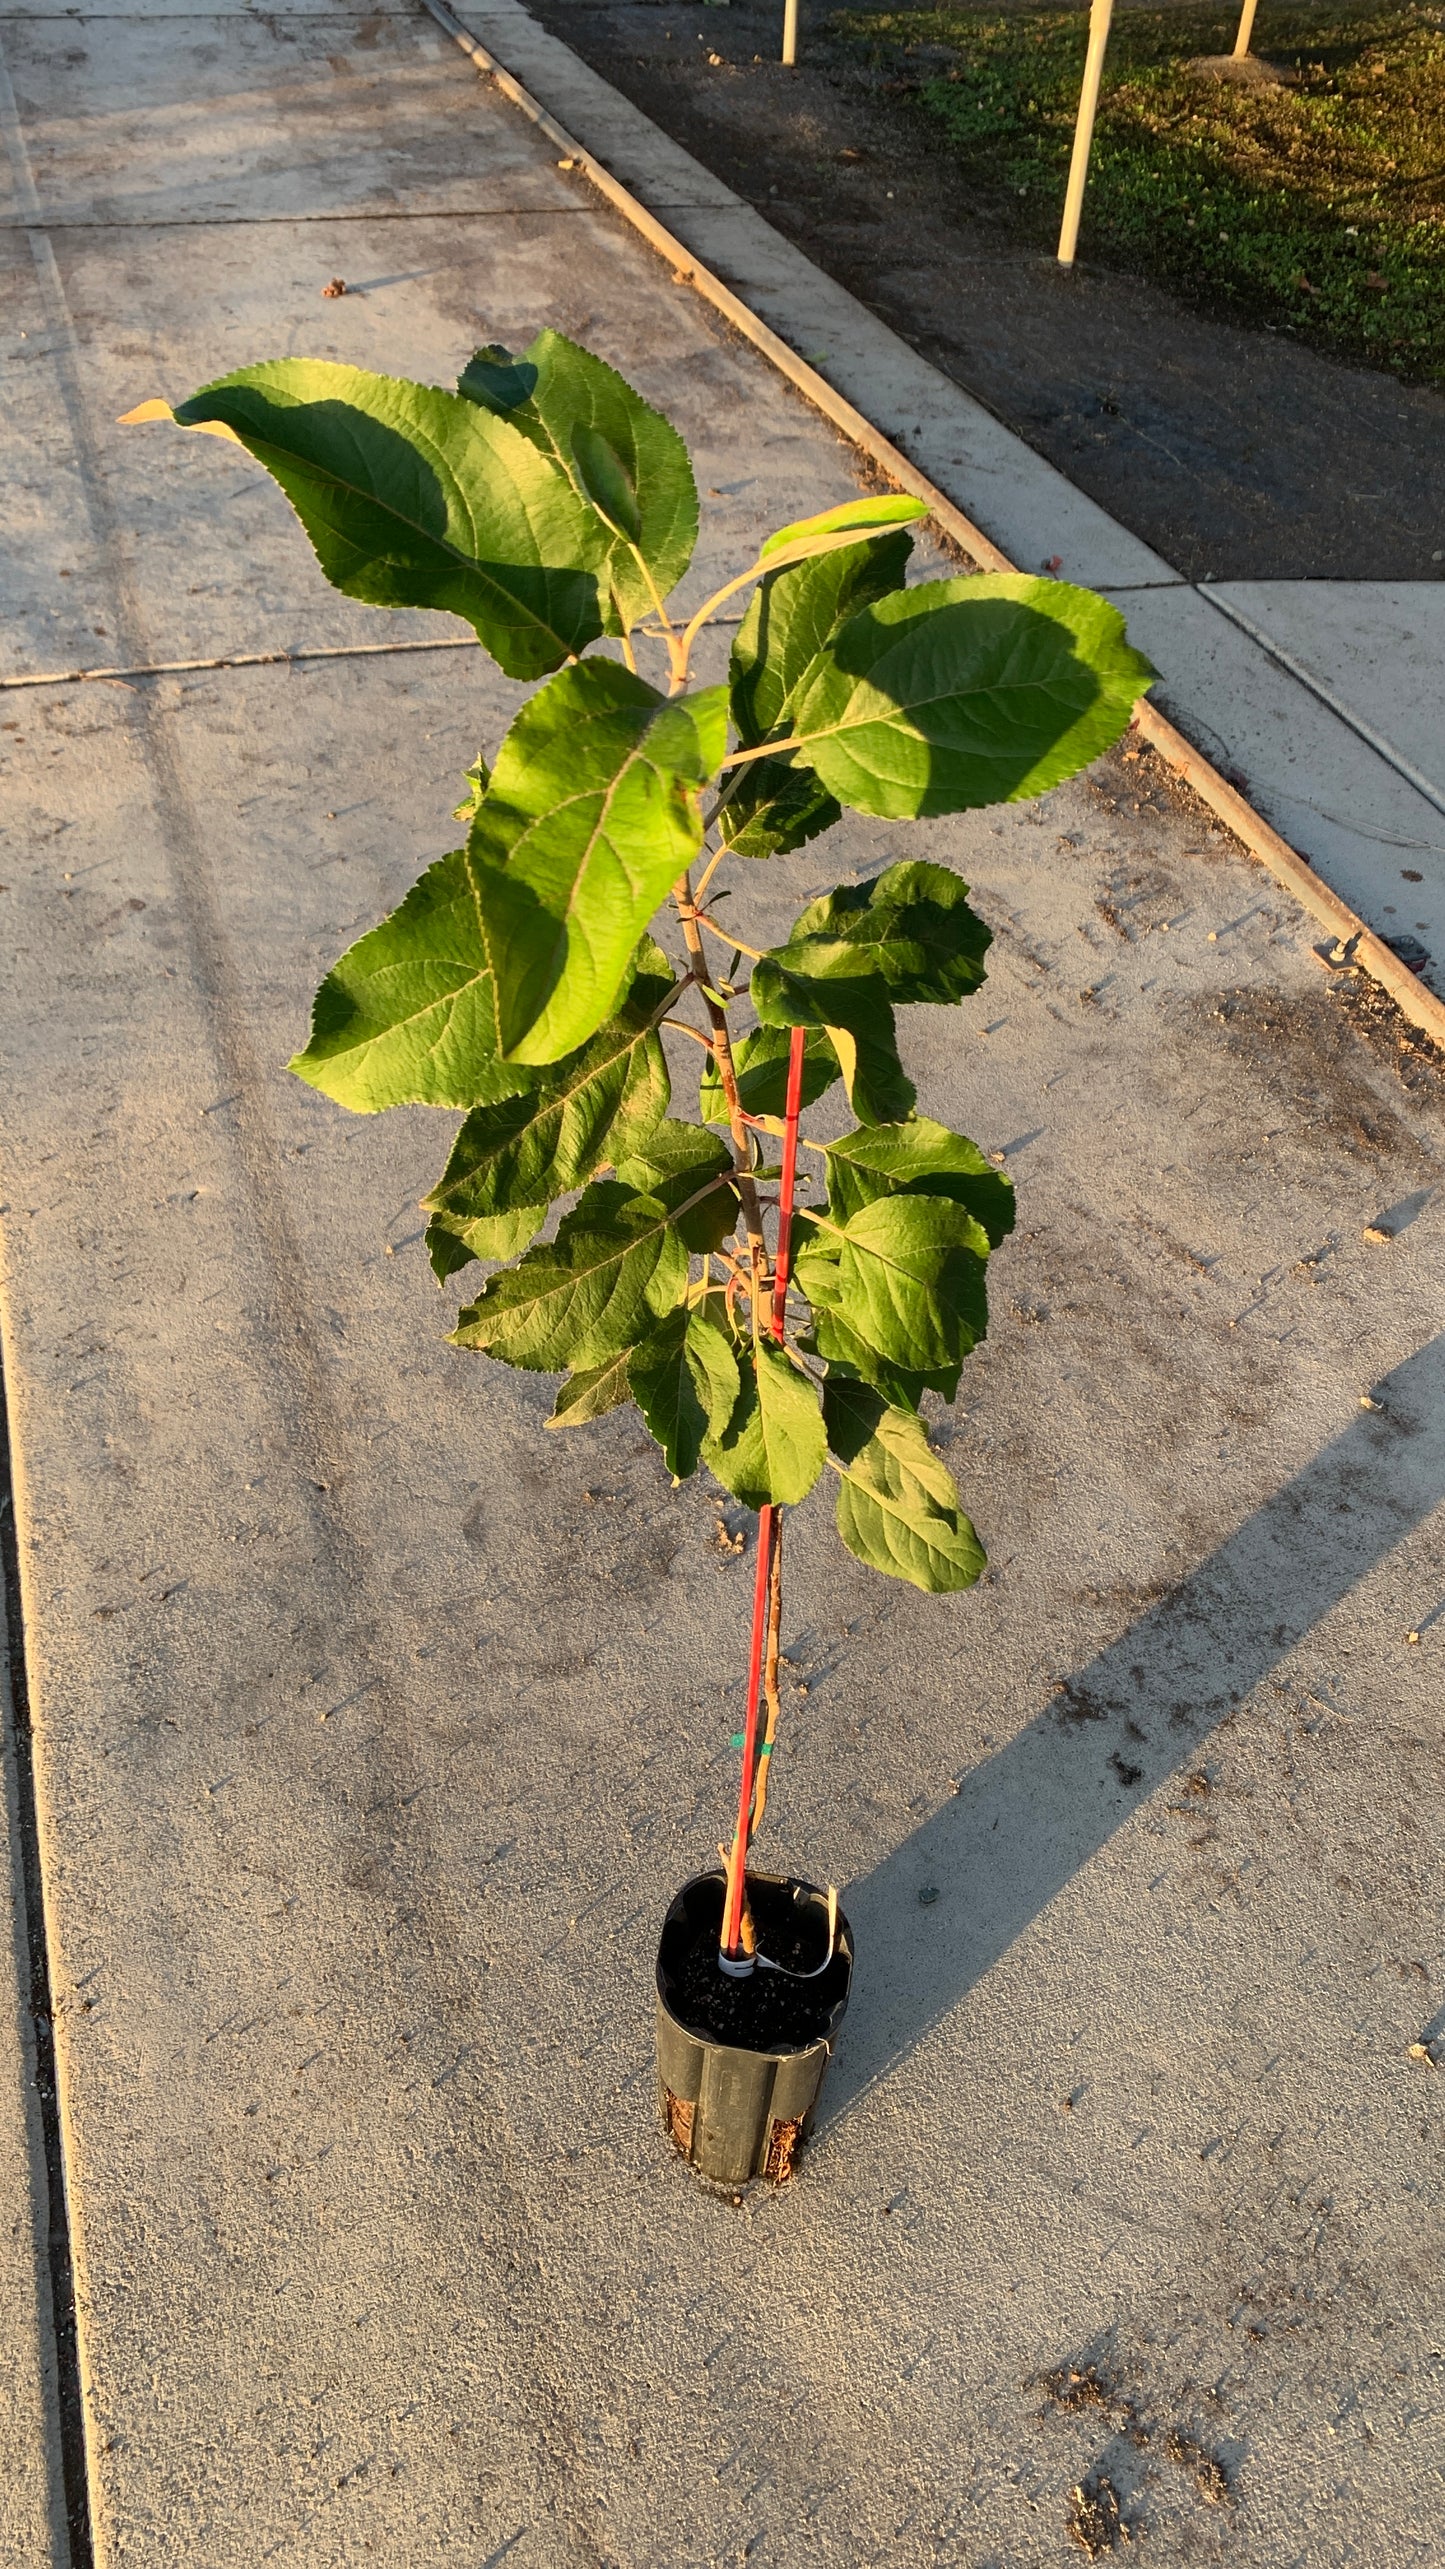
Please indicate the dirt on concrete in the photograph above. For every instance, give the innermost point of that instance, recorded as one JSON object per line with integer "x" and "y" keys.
{"x": 1237, "y": 454}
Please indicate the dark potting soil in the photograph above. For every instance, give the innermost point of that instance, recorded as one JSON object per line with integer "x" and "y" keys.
{"x": 767, "y": 2012}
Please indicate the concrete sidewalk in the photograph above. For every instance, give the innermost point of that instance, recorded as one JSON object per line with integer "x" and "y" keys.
{"x": 373, "y": 1731}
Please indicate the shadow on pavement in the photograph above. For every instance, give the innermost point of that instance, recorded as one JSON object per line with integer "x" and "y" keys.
{"x": 1025, "y": 1822}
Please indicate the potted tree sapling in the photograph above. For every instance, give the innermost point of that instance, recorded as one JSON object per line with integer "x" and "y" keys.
{"x": 777, "y": 1306}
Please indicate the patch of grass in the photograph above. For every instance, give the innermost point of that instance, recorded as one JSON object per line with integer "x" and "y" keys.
{"x": 1317, "y": 205}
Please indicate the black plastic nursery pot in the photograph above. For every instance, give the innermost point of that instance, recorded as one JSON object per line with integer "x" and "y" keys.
{"x": 740, "y": 2062}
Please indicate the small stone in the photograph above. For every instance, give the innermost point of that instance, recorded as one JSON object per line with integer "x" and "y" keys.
{"x": 331, "y": 292}
{"x": 1412, "y": 1636}
{"x": 928, "y": 1895}
{"x": 1214, "y": 936}
{"x": 1376, "y": 1231}
{"x": 1367, "y": 1401}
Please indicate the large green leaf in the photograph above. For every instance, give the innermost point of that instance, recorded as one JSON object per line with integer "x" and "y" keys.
{"x": 619, "y": 1264}
{"x": 856, "y": 1014}
{"x": 898, "y": 1507}
{"x": 413, "y": 497}
{"x": 925, "y": 1159}
{"x": 684, "y": 1379}
{"x": 831, "y": 1337}
{"x": 911, "y": 925}
{"x": 773, "y": 1447}
{"x": 964, "y": 692}
{"x": 408, "y": 1017}
{"x": 905, "y": 1273}
{"x": 773, "y": 806}
{"x": 510, "y": 1160}
{"x": 622, "y": 457}
{"x": 760, "y": 1061}
{"x": 591, "y": 815}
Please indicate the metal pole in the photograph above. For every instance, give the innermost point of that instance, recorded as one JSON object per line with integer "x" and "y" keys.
{"x": 790, "y": 32}
{"x": 1100, "y": 14}
{"x": 1245, "y": 36}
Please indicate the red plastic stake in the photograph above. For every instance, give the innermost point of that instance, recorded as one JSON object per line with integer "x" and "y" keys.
{"x": 769, "y": 1518}
{"x": 788, "y": 1178}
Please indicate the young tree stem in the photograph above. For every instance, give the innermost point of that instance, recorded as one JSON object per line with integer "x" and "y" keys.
{"x": 722, "y": 1053}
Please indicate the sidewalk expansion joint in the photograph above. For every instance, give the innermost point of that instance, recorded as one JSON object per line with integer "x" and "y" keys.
{"x": 283, "y": 222}
{"x": 40, "y": 2006}
{"x": 235, "y": 660}
{"x": 1326, "y": 696}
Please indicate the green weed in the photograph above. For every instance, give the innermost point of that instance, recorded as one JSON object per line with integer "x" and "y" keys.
{"x": 1317, "y": 206}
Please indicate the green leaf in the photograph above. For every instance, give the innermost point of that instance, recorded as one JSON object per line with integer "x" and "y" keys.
{"x": 685, "y": 1382}
{"x": 619, "y": 1264}
{"x": 773, "y": 1446}
{"x": 591, "y": 815}
{"x": 408, "y": 1017}
{"x": 898, "y": 1507}
{"x": 773, "y": 806}
{"x": 911, "y": 925}
{"x": 557, "y": 393}
{"x": 840, "y": 1346}
{"x": 479, "y": 777}
{"x": 500, "y": 1235}
{"x": 511, "y": 1159}
{"x": 413, "y": 497}
{"x": 497, "y": 381}
{"x": 907, "y": 935}
{"x": 905, "y": 1273}
{"x": 964, "y": 692}
{"x": 837, "y": 526}
{"x": 674, "y": 1161}
{"x": 926, "y": 1159}
{"x": 857, "y": 1015}
{"x": 775, "y": 809}
{"x": 761, "y": 1063}
{"x": 591, "y": 1394}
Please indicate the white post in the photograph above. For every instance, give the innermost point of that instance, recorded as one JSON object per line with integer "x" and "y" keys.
{"x": 790, "y": 32}
{"x": 1245, "y": 36}
{"x": 1100, "y": 14}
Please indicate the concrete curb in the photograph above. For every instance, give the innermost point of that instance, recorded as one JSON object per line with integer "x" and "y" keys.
{"x": 1416, "y": 1003}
